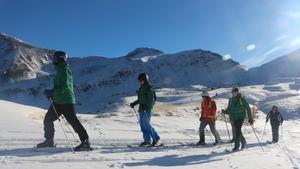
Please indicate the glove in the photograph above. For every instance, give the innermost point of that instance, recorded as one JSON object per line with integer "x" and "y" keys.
{"x": 132, "y": 104}
{"x": 250, "y": 121}
{"x": 224, "y": 112}
{"x": 49, "y": 94}
{"x": 215, "y": 118}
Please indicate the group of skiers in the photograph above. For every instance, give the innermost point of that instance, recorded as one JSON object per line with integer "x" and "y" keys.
{"x": 63, "y": 103}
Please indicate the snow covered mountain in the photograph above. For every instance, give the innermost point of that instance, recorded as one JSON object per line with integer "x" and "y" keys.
{"x": 102, "y": 82}
{"x": 20, "y": 60}
{"x": 284, "y": 67}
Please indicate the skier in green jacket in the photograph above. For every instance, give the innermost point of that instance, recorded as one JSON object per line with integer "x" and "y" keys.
{"x": 63, "y": 103}
{"x": 146, "y": 100}
{"x": 238, "y": 110}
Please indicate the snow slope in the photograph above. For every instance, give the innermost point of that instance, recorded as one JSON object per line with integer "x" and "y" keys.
{"x": 175, "y": 119}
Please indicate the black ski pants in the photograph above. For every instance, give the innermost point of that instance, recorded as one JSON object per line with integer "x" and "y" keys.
{"x": 68, "y": 111}
{"x": 239, "y": 138}
{"x": 275, "y": 131}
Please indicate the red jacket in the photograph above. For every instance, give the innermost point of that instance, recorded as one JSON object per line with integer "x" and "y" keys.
{"x": 208, "y": 109}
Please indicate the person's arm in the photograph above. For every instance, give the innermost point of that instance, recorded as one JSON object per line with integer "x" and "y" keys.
{"x": 268, "y": 117}
{"x": 62, "y": 82}
{"x": 247, "y": 108}
{"x": 213, "y": 107}
{"x": 280, "y": 118}
{"x": 149, "y": 95}
{"x": 226, "y": 111}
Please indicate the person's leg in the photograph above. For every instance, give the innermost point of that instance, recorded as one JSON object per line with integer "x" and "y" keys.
{"x": 49, "y": 119}
{"x": 154, "y": 135}
{"x": 212, "y": 126}
{"x": 70, "y": 115}
{"x": 144, "y": 123}
{"x": 233, "y": 130}
{"x": 275, "y": 132}
{"x": 243, "y": 139}
{"x": 238, "y": 133}
{"x": 203, "y": 124}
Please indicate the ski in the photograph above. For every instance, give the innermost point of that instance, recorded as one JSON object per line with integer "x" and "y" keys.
{"x": 230, "y": 151}
{"x": 86, "y": 149}
{"x": 148, "y": 146}
{"x": 158, "y": 145}
{"x": 60, "y": 149}
{"x": 50, "y": 149}
{"x": 270, "y": 142}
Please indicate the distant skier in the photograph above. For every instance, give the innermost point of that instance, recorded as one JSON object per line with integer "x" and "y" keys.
{"x": 276, "y": 120}
{"x": 146, "y": 100}
{"x": 238, "y": 110}
{"x": 208, "y": 117}
{"x": 64, "y": 104}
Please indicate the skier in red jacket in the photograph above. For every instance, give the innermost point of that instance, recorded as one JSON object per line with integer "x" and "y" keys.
{"x": 208, "y": 117}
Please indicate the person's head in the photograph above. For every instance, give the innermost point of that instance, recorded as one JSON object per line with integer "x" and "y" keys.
{"x": 274, "y": 109}
{"x": 235, "y": 91}
{"x": 58, "y": 57}
{"x": 205, "y": 95}
{"x": 143, "y": 78}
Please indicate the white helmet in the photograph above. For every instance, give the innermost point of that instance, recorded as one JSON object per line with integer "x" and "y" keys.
{"x": 205, "y": 94}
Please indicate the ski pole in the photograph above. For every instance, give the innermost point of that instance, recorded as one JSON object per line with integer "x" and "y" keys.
{"x": 136, "y": 115}
{"x": 257, "y": 138}
{"x": 209, "y": 135}
{"x": 63, "y": 129}
{"x": 281, "y": 131}
{"x": 227, "y": 128}
{"x": 263, "y": 133}
{"x": 67, "y": 124}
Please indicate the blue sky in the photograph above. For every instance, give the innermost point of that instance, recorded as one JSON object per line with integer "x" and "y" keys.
{"x": 250, "y": 31}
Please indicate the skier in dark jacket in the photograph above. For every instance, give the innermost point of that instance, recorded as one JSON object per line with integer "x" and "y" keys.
{"x": 146, "y": 100}
{"x": 276, "y": 120}
{"x": 238, "y": 110}
{"x": 63, "y": 103}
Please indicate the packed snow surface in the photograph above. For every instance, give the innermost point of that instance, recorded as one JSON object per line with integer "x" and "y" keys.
{"x": 176, "y": 119}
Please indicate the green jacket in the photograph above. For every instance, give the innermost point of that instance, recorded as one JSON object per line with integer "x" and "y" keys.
{"x": 146, "y": 98}
{"x": 238, "y": 108}
{"x": 63, "y": 85}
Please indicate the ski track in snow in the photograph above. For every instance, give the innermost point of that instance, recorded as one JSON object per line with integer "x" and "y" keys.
{"x": 21, "y": 128}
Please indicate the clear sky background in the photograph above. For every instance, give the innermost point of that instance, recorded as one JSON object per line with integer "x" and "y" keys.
{"x": 249, "y": 31}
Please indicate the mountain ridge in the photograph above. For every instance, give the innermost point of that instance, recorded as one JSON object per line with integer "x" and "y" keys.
{"x": 101, "y": 82}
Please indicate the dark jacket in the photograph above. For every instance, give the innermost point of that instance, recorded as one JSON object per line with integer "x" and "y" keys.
{"x": 146, "y": 98}
{"x": 238, "y": 108}
{"x": 63, "y": 85}
{"x": 275, "y": 118}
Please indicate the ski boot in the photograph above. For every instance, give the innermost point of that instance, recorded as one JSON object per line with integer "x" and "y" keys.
{"x": 231, "y": 141}
{"x": 217, "y": 143}
{"x": 243, "y": 145}
{"x": 200, "y": 143}
{"x": 235, "y": 149}
{"x": 155, "y": 143}
{"x": 84, "y": 146}
{"x": 46, "y": 144}
{"x": 145, "y": 144}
